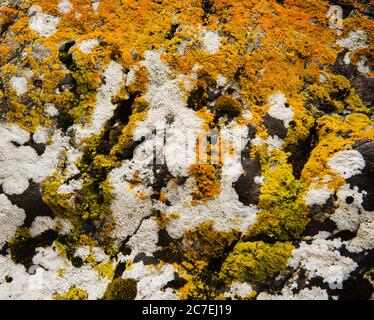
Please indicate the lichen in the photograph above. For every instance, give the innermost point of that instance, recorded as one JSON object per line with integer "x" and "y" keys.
{"x": 335, "y": 134}
{"x": 72, "y": 294}
{"x": 256, "y": 262}
{"x": 121, "y": 289}
{"x": 18, "y": 243}
{"x": 335, "y": 95}
{"x": 203, "y": 251}
{"x": 126, "y": 142}
{"x": 284, "y": 214}
{"x": 207, "y": 185}
{"x": 227, "y": 105}
{"x": 260, "y": 48}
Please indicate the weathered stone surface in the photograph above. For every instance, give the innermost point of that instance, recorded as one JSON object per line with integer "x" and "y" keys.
{"x": 186, "y": 149}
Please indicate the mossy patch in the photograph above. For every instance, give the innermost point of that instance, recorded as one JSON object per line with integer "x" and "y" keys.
{"x": 227, "y": 105}
{"x": 121, "y": 289}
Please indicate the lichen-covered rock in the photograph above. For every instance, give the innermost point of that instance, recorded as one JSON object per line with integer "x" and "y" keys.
{"x": 186, "y": 149}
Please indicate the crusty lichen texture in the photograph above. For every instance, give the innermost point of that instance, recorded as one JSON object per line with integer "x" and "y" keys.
{"x": 196, "y": 149}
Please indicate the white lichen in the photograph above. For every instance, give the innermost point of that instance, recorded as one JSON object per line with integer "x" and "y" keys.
{"x": 54, "y": 274}
{"x": 11, "y": 217}
{"x": 363, "y": 65}
{"x": 273, "y": 142}
{"x": 19, "y": 85}
{"x": 347, "y": 215}
{"x": 41, "y": 23}
{"x": 347, "y": 163}
{"x": 317, "y": 196}
{"x": 354, "y": 41}
{"x": 239, "y": 290}
{"x": 211, "y": 42}
{"x": 64, "y": 6}
{"x": 95, "y": 5}
{"x": 322, "y": 258}
{"x": 87, "y": 46}
{"x": 314, "y": 293}
{"x": 146, "y": 238}
{"x": 151, "y": 280}
{"x": 279, "y": 110}
{"x": 20, "y": 164}
{"x": 113, "y": 80}
{"x": 44, "y": 223}
{"x": 364, "y": 239}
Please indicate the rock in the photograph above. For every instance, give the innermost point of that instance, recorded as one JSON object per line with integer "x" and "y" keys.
{"x": 157, "y": 152}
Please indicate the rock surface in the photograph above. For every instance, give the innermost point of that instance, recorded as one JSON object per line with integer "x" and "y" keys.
{"x": 197, "y": 149}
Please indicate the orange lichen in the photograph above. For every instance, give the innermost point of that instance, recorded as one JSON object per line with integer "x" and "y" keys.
{"x": 265, "y": 47}
{"x": 335, "y": 134}
{"x": 207, "y": 185}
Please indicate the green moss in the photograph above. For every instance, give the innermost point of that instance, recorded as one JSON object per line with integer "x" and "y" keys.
{"x": 121, "y": 289}
{"x": 228, "y": 105}
{"x": 72, "y": 294}
{"x": 256, "y": 262}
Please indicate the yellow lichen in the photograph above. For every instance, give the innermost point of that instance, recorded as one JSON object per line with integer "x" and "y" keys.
{"x": 256, "y": 262}
{"x": 265, "y": 47}
{"x": 335, "y": 95}
{"x": 283, "y": 214}
{"x": 335, "y": 134}
{"x": 126, "y": 141}
{"x": 203, "y": 248}
{"x": 72, "y": 294}
{"x": 105, "y": 269}
{"x": 207, "y": 185}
